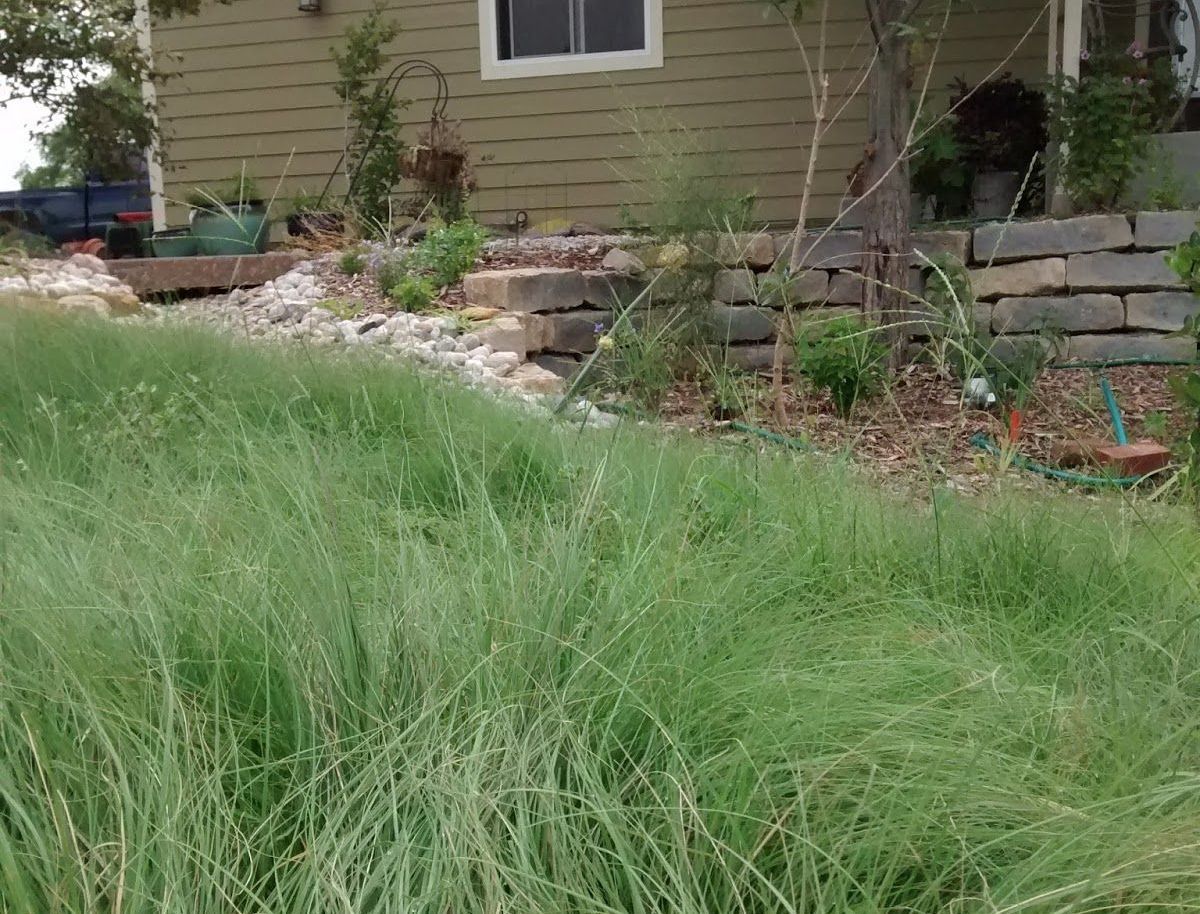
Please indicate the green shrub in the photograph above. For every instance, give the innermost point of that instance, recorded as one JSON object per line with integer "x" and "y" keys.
{"x": 846, "y": 359}
{"x": 447, "y": 254}
{"x": 352, "y": 262}
{"x": 392, "y": 269}
{"x": 413, "y": 293}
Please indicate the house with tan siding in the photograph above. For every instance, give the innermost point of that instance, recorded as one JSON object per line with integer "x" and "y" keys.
{"x": 543, "y": 89}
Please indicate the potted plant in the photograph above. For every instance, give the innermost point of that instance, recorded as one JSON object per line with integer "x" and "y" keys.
{"x": 1000, "y": 126}
{"x": 307, "y": 218}
{"x": 230, "y": 220}
{"x": 176, "y": 242}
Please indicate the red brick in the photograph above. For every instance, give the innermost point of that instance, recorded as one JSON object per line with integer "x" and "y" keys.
{"x": 1139, "y": 459}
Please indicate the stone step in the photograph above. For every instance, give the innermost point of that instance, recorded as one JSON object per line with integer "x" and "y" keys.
{"x": 177, "y": 274}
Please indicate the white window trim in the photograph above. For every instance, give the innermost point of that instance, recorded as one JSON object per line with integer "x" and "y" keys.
{"x": 492, "y": 67}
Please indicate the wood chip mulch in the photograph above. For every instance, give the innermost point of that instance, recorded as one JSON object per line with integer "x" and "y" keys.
{"x": 920, "y": 428}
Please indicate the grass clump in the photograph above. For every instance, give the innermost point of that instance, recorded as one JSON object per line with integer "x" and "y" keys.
{"x": 333, "y": 637}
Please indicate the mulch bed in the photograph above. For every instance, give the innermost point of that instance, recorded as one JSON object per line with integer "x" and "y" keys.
{"x": 920, "y": 427}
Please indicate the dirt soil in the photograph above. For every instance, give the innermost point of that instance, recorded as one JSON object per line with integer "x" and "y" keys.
{"x": 920, "y": 428}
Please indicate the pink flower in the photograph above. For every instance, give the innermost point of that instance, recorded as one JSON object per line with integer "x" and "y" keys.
{"x": 1143, "y": 81}
{"x": 1135, "y": 51}
{"x": 1085, "y": 54}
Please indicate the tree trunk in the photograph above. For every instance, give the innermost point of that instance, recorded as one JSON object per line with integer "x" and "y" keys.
{"x": 887, "y": 252}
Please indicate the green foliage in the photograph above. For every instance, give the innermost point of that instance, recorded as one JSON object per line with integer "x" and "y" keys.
{"x": 303, "y": 203}
{"x": 440, "y": 259}
{"x": 846, "y": 358}
{"x": 1000, "y": 124}
{"x": 413, "y": 293}
{"x": 1014, "y": 378}
{"x": 638, "y": 358}
{"x": 1167, "y": 190}
{"x": 683, "y": 187}
{"x": 939, "y": 171}
{"x": 373, "y": 143}
{"x": 1185, "y": 261}
{"x": 447, "y": 253}
{"x": 956, "y": 342}
{"x": 1105, "y": 119}
{"x": 341, "y": 638}
{"x": 352, "y": 262}
{"x": 51, "y": 51}
{"x": 240, "y": 189}
{"x": 391, "y": 270}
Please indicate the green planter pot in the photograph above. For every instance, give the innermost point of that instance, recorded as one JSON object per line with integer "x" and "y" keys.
{"x": 174, "y": 243}
{"x": 232, "y": 230}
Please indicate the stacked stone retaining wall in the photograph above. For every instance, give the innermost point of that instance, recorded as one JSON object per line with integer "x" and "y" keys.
{"x": 1100, "y": 281}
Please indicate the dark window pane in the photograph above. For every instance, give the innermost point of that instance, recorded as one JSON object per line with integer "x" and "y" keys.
{"x": 534, "y": 28}
{"x": 613, "y": 25}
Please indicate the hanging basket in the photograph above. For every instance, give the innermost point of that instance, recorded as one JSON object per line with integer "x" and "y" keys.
{"x": 428, "y": 165}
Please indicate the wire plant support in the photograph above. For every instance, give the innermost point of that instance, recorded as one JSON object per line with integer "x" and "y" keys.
{"x": 390, "y": 84}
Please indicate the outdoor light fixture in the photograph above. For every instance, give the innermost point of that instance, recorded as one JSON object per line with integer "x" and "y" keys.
{"x": 310, "y": 6}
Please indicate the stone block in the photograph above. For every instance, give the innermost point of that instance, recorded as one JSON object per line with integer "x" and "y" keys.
{"x": 1069, "y": 313}
{"x": 531, "y": 289}
{"x": 845, "y": 289}
{"x": 757, "y": 356}
{"x": 1160, "y": 310}
{"x": 741, "y": 325}
{"x": 745, "y": 250}
{"x": 1029, "y": 277}
{"x": 1156, "y": 231}
{"x": 1109, "y": 272}
{"x": 808, "y": 288}
{"x": 623, "y": 262}
{"x": 734, "y": 286}
{"x": 931, "y": 244}
{"x": 1006, "y": 348}
{"x": 535, "y": 379}
{"x": 504, "y": 334}
{"x": 575, "y": 331}
{"x": 1095, "y": 348}
{"x": 832, "y": 251}
{"x": 564, "y": 366}
{"x": 675, "y": 286}
{"x": 604, "y": 289}
{"x": 170, "y": 274}
{"x": 814, "y": 321}
{"x": 1000, "y": 242}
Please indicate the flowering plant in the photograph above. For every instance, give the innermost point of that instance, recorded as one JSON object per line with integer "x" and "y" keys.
{"x": 1104, "y": 120}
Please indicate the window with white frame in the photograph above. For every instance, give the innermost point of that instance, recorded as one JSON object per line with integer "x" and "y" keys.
{"x": 550, "y": 37}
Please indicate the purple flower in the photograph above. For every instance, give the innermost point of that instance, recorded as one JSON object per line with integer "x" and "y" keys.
{"x": 1085, "y": 54}
{"x": 598, "y": 329}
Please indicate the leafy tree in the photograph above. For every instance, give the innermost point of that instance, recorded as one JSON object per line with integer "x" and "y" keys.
{"x": 82, "y": 61}
{"x": 103, "y": 139}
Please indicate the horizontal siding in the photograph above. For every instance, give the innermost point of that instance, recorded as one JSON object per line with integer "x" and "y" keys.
{"x": 254, "y": 84}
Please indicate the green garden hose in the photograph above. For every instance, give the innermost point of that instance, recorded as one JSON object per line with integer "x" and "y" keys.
{"x": 984, "y": 443}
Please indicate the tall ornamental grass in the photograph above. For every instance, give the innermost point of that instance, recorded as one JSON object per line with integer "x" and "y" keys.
{"x": 291, "y": 635}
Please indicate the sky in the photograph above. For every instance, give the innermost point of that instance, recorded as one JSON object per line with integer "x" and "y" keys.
{"x": 16, "y": 120}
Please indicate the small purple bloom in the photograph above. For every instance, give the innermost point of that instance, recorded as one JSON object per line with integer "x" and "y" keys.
{"x": 1085, "y": 54}
{"x": 598, "y": 329}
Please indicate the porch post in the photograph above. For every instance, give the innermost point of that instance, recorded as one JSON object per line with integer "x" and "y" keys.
{"x": 141, "y": 24}
{"x": 1072, "y": 48}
